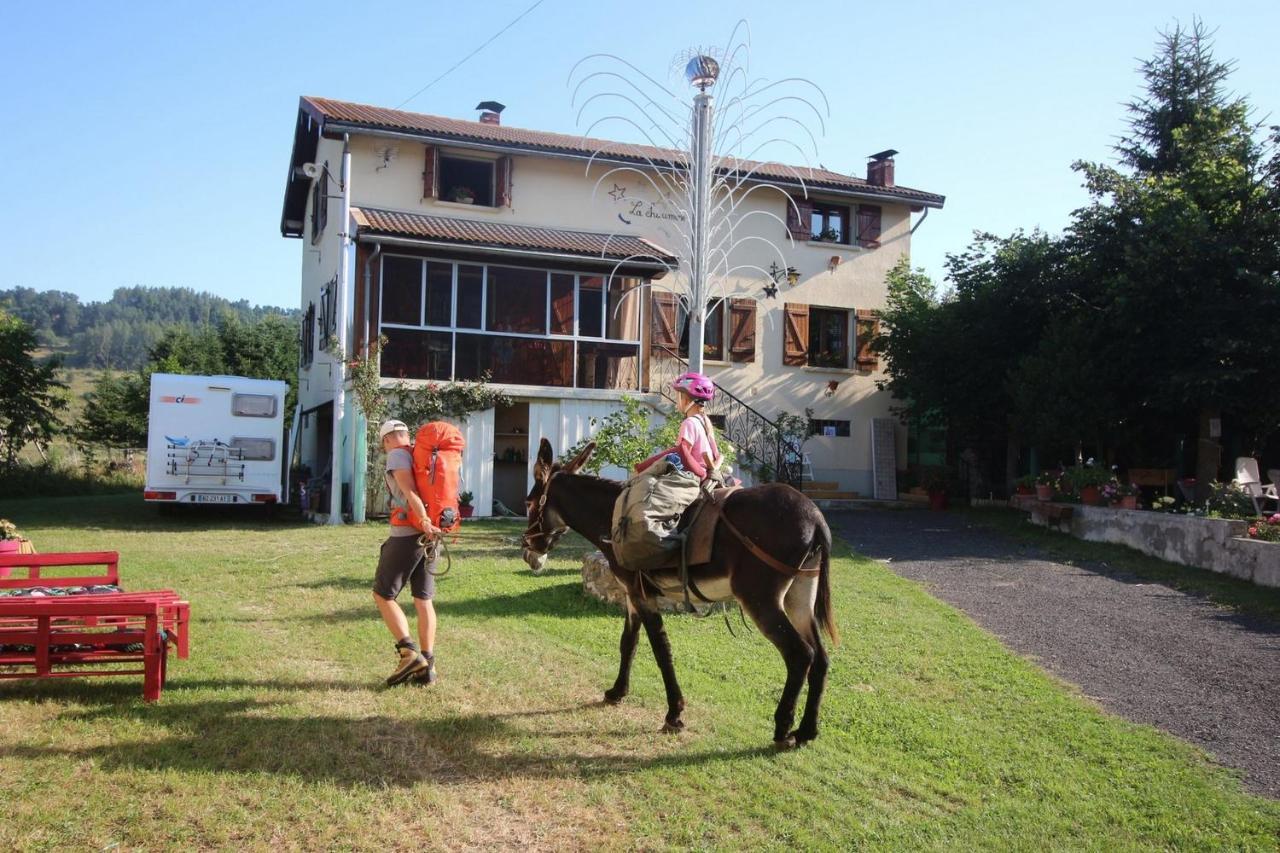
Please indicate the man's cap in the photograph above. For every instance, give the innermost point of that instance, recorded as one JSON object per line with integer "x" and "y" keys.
{"x": 391, "y": 426}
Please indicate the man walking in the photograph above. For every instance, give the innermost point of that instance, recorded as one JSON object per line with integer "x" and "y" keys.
{"x": 403, "y": 560}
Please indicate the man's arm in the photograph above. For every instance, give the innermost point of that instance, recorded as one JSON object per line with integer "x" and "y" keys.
{"x": 417, "y": 510}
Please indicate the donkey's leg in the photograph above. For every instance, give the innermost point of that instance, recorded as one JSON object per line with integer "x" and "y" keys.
{"x": 627, "y": 647}
{"x": 799, "y": 603}
{"x": 652, "y": 621}
{"x": 765, "y": 608}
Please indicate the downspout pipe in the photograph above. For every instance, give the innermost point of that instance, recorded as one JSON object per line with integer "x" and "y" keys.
{"x": 359, "y": 475}
{"x": 340, "y": 367}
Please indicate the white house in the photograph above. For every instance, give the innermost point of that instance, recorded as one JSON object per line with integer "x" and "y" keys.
{"x": 478, "y": 247}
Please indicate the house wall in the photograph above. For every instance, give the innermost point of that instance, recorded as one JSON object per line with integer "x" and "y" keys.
{"x": 560, "y": 193}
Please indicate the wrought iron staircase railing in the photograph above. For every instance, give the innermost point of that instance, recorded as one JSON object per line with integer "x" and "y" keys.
{"x": 761, "y": 445}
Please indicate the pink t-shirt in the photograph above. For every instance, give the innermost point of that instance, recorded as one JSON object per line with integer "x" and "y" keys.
{"x": 694, "y": 433}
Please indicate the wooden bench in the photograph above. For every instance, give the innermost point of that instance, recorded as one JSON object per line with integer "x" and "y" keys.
{"x": 38, "y": 633}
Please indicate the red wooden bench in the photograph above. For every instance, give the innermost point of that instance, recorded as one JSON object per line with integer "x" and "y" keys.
{"x": 73, "y": 632}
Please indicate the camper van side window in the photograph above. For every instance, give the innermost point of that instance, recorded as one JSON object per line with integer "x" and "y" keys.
{"x": 253, "y": 405}
{"x": 255, "y": 449}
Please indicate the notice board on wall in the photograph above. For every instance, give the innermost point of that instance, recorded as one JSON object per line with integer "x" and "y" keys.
{"x": 884, "y": 460}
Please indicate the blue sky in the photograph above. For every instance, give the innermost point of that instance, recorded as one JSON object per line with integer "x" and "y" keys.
{"x": 147, "y": 142}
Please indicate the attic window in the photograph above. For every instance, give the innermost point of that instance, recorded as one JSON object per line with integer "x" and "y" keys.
{"x": 466, "y": 181}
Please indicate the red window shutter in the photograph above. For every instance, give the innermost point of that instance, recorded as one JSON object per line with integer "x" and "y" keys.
{"x": 869, "y": 226}
{"x": 502, "y": 183}
{"x": 800, "y": 218}
{"x": 795, "y": 335}
{"x": 663, "y": 339}
{"x": 866, "y": 330}
{"x": 742, "y": 330}
{"x": 429, "y": 172}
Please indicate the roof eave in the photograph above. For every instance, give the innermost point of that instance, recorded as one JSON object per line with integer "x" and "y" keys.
{"x": 336, "y": 128}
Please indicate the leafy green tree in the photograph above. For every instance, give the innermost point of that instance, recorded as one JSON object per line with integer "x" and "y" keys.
{"x": 30, "y": 393}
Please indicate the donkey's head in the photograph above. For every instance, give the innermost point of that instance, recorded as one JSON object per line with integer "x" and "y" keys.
{"x": 546, "y": 516}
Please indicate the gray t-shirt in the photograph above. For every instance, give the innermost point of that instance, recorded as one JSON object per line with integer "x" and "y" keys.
{"x": 399, "y": 459}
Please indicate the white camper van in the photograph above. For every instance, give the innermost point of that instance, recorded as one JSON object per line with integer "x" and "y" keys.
{"x": 215, "y": 440}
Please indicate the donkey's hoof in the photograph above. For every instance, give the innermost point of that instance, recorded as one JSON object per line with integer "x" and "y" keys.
{"x": 672, "y": 728}
{"x": 612, "y": 698}
{"x": 788, "y": 742}
{"x": 801, "y": 738}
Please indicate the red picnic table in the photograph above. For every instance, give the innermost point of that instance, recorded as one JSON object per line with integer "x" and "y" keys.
{"x": 78, "y": 633}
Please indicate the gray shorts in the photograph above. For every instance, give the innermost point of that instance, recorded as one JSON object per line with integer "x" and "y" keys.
{"x": 402, "y": 560}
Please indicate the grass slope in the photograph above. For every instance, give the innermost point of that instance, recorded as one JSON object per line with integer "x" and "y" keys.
{"x": 274, "y": 733}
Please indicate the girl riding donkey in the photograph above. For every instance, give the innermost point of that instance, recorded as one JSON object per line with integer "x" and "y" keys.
{"x": 780, "y": 573}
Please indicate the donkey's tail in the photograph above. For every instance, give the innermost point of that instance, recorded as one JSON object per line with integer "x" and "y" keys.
{"x": 824, "y": 612}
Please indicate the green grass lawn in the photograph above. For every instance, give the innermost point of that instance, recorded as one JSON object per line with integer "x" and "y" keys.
{"x": 274, "y": 734}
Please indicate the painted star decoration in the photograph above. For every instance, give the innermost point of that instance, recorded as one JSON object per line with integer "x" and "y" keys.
{"x": 618, "y": 193}
{"x": 771, "y": 290}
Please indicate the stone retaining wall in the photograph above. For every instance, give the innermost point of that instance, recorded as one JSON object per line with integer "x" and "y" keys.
{"x": 1220, "y": 545}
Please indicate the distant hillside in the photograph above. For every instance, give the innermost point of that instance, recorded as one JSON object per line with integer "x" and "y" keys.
{"x": 119, "y": 332}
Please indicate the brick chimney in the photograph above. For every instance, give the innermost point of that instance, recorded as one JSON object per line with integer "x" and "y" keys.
{"x": 490, "y": 112}
{"x": 880, "y": 168}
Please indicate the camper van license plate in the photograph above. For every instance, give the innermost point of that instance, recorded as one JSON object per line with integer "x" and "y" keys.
{"x": 214, "y": 499}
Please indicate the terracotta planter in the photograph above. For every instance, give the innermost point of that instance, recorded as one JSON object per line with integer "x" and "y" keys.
{"x": 465, "y": 511}
{"x": 937, "y": 501}
{"x": 1091, "y": 496}
{"x": 1128, "y": 502}
{"x": 1044, "y": 493}
{"x": 1025, "y": 490}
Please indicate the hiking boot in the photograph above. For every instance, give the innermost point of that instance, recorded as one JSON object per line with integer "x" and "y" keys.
{"x": 428, "y": 675}
{"x": 411, "y": 661}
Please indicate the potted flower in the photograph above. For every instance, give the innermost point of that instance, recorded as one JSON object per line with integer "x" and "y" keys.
{"x": 1122, "y": 495}
{"x": 10, "y": 540}
{"x": 1026, "y": 485}
{"x": 1085, "y": 482}
{"x": 827, "y": 235}
{"x": 464, "y": 504}
{"x": 1046, "y": 483}
{"x": 462, "y": 195}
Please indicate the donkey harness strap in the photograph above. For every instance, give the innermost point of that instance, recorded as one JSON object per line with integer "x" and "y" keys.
{"x": 759, "y": 553}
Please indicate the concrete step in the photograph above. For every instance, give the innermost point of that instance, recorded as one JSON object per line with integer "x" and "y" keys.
{"x": 819, "y": 486}
{"x": 830, "y": 495}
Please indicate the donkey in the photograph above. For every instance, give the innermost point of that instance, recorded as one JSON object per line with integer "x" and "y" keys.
{"x": 789, "y": 605}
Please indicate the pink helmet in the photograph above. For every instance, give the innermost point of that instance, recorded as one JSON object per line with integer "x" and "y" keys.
{"x": 696, "y": 386}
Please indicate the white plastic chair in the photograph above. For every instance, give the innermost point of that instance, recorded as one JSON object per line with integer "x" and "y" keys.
{"x": 1247, "y": 478}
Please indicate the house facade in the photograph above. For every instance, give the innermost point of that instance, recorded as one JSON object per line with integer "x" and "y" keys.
{"x": 548, "y": 262}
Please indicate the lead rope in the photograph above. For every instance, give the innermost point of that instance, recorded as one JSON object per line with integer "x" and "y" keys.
{"x": 431, "y": 545}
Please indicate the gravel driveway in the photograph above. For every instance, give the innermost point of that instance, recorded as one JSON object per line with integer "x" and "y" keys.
{"x": 1144, "y": 651}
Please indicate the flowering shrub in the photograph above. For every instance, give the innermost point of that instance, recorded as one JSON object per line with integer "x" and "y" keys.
{"x": 1228, "y": 500}
{"x": 1115, "y": 490}
{"x": 8, "y": 530}
{"x": 1266, "y": 529}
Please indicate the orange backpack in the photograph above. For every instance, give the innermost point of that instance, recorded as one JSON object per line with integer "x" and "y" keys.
{"x": 437, "y": 470}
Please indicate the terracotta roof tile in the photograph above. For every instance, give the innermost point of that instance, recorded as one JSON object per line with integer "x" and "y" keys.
{"x": 538, "y": 140}
{"x": 478, "y": 233}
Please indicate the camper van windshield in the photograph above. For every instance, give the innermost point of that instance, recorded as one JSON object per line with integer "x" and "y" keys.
{"x": 253, "y": 405}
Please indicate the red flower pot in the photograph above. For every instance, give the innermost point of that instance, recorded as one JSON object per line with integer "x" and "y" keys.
{"x": 465, "y": 511}
{"x": 1025, "y": 490}
{"x": 1129, "y": 502}
{"x": 937, "y": 501}
{"x": 1091, "y": 496}
{"x": 1044, "y": 493}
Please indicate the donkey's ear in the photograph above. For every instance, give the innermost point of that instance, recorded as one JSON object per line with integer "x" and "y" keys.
{"x": 581, "y": 459}
{"x": 546, "y": 456}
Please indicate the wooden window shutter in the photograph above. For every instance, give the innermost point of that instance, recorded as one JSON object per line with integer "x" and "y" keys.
{"x": 430, "y": 170}
{"x": 800, "y": 218}
{"x": 869, "y": 226}
{"x": 795, "y": 335}
{"x": 742, "y": 330}
{"x": 502, "y": 183}
{"x": 866, "y": 330}
{"x": 663, "y": 340}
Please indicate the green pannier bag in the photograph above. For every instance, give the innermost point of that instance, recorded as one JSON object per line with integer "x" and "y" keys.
{"x": 646, "y": 515}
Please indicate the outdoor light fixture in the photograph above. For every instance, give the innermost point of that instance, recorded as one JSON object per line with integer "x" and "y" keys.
{"x": 702, "y": 71}
{"x": 777, "y": 273}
